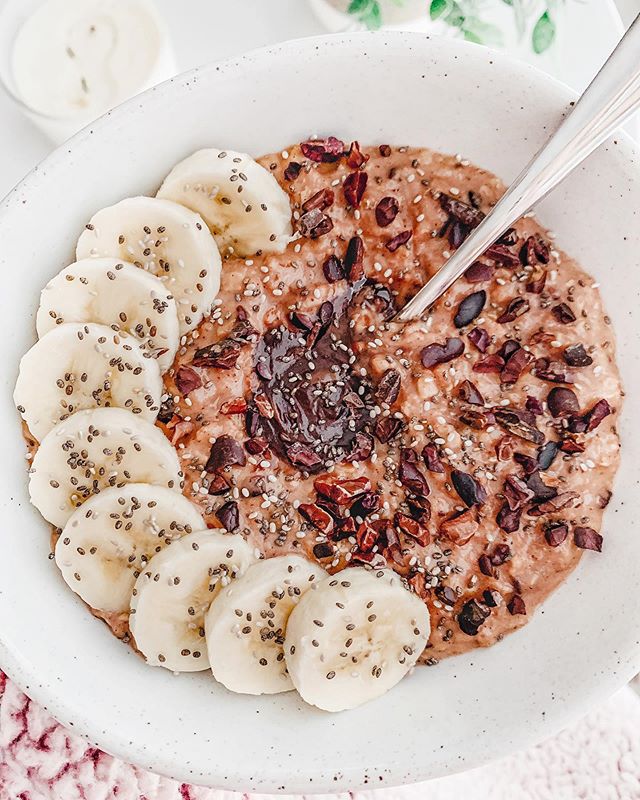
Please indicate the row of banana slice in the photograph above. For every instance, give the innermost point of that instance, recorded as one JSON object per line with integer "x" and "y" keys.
{"x": 130, "y": 544}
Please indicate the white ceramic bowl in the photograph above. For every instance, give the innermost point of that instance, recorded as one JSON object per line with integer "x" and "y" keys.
{"x": 584, "y": 643}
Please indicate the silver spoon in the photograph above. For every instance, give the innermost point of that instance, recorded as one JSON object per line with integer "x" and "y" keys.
{"x": 612, "y": 96}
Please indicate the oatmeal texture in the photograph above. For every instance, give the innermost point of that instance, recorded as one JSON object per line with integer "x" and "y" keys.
{"x": 473, "y": 451}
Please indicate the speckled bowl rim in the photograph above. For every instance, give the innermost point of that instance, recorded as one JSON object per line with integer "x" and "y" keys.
{"x": 318, "y": 775}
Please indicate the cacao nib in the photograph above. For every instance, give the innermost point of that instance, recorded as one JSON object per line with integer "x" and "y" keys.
{"x": 479, "y": 272}
{"x": 515, "y": 366}
{"x": 472, "y": 617}
{"x": 541, "y": 491}
{"x": 509, "y": 347}
{"x": 517, "y": 493}
{"x": 537, "y": 283}
{"x": 553, "y": 371}
{"x": 341, "y": 490}
{"x": 432, "y": 458}
{"x": 229, "y": 516}
{"x": 500, "y": 555}
{"x": 600, "y": 411}
{"x": 317, "y": 516}
{"x": 509, "y": 237}
{"x": 302, "y": 321}
{"x": 516, "y": 606}
{"x": 386, "y": 428}
{"x": 256, "y": 445}
{"x": 411, "y": 477}
{"x": 292, "y": 171}
{"x": 356, "y": 158}
{"x": 302, "y": 456}
{"x": 366, "y": 537}
{"x": 534, "y": 251}
{"x": 577, "y": 356}
{"x": 457, "y": 233}
{"x": 562, "y": 402}
{"x": 590, "y": 421}
{"x": 504, "y": 448}
{"x": 529, "y": 465}
{"x": 361, "y": 447}
{"x": 563, "y": 314}
{"x": 322, "y": 550}
{"x": 167, "y": 408}
{"x": 412, "y": 528}
{"x": 252, "y": 422}
{"x": 323, "y": 150}
{"x": 225, "y": 452}
{"x": 446, "y": 595}
{"x": 263, "y": 371}
{"x": 434, "y": 354}
{"x": 491, "y": 598}
{"x": 461, "y": 212}
{"x": 263, "y": 404}
{"x": 225, "y": 353}
{"x": 353, "y": 188}
{"x": 187, "y": 380}
{"x": 563, "y": 500}
{"x": 366, "y": 504}
{"x": 491, "y": 363}
{"x": 237, "y": 405}
{"x": 469, "y": 393}
{"x": 314, "y": 224}
{"x": 420, "y": 509}
{"x": 344, "y": 529}
{"x": 516, "y": 308}
{"x": 388, "y": 387}
{"x": 386, "y": 211}
{"x": 547, "y": 455}
{"x": 534, "y": 406}
{"x": 502, "y": 255}
{"x": 518, "y": 422}
{"x": 354, "y": 259}
{"x": 471, "y": 491}
{"x": 480, "y": 339}
{"x": 484, "y": 564}
{"x": 477, "y": 419}
{"x": 470, "y": 308}
{"x": 461, "y": 527}
{"x": 397, "y": 241}
{"x": 322, "y": 199}
{"x": 385, "y": 150}
{"x": 508, "y": 519}
{"x": 587, "y": 539}
{"x": 556, "y": 533}
{"x": 333, "y": 270}
{"x": 217, "y": 485}
{"x": 571, "y": 446}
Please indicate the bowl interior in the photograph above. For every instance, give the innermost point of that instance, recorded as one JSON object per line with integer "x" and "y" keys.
{"x": 395, "y": 88}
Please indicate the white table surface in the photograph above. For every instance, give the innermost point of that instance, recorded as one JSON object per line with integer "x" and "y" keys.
{"x": 209, "y": 38}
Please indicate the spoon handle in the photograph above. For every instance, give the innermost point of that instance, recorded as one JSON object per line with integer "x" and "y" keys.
{"x": 612, "y": 96}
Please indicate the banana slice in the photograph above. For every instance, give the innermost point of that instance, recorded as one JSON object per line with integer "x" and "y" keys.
{"x": 117, "y": 294}
{"x": 354, "y": 638}
{"x": 79, "y": 366}
{"x": 241, "y": 201}
{"x": 108, "y": 542}
{"x": 245, "y": 625}
{"x": 165, "y": 239}
{"x": 175, "y": 590}
{"x": 94, "y": 450}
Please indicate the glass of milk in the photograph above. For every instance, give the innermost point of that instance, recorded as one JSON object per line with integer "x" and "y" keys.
{"x": 66, "y": 62}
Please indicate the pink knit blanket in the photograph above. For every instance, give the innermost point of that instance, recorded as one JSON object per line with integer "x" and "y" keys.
{"x": 597, "y": 759}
